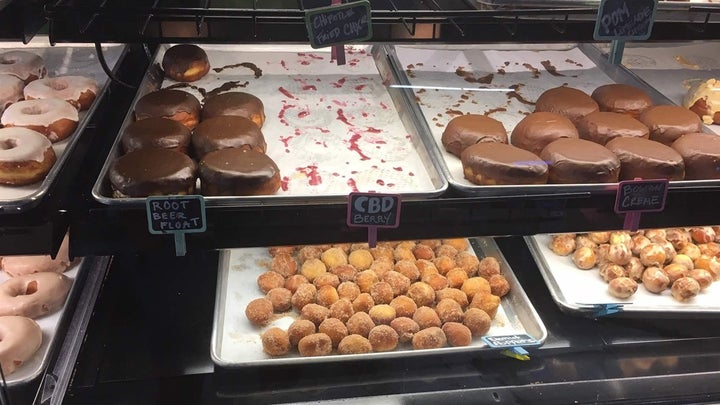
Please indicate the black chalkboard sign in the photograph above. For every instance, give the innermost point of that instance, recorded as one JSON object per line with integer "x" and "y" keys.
{"x": 625, "y": 19}
{"x": 641, "y": 196}
{"x": 373, "y": 210}
{"x": 339, "y": 24}
{"x": 176, "y": 214}
{"x": 518, "y": 340}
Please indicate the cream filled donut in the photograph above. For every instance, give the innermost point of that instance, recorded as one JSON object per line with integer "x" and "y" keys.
{"x": 20, "y": 338}
{"x": 26, "y": 66}
{"x": 26, "y": 156}
{"x": 54, "y": 118}
{"x": 11, "y": 90}
{"x": 22, "y": 265}
{"x": 80, "y": 91}
{"x": 34, "y": 295}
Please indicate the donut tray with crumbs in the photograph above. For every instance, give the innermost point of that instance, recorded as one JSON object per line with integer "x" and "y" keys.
{"x": 49, "y": 324}
{"x": 503, "y": 82}
{"x": 330, "y": 129}
{"x": 576, "y": 291}
{"x": 236, "y": 342}
{"x": 60, "y": 60}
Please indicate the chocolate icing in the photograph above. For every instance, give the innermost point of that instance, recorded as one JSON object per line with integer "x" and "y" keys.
{"x": 622, "y": 98}
{"x": 147, "y": 172}
{"x": 646, "y": 159}
{"x": 227, "y": 132}
{"x": 493, "y": 163}
{"x": 574, "y": 161}
{"x": 166, "y": 103}
{"x": 601, "y": 127}
{"x": 235, "y": 171}
{"x": 470, "y": 129}
{"x": 156, "y": 132}
{"x": 179, "y": 59}
{"x": 234, "y": 103}
{"x": 570, "y": 102}
{"x": 668, "y": 122}
{"x": 539, "y": 129}
{"x": 701, "y": 153}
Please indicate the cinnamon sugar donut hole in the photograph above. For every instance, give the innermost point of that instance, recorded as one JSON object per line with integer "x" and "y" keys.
{"x": 360, "y": 324}
{"x": 383, "y": 338}
{"x": 326, "y": 279}
{"x": 299, "y": 329}
{"x": 284, "y": 264}
{"x": 429, "y": 338}
{"x": 405, "y": 327}
{"x": 335, "y": 329}
{"x": 354, "y": 344}
{"x": 275, "y": 342}
{"x": 342, "y": 309}
{"x": 259, "y": 311}
{"x": 404, "y": 306}
{"x": 317, "y": 344}
{"x": 363, "y": 302}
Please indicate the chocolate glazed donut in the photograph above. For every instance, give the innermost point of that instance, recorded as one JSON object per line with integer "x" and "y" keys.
{"x": 176, "y": 105}
{"x": 185, "y": 63}
{"x": 232, "y": 171}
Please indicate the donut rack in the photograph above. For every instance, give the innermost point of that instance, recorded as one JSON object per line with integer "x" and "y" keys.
{"x": 117, "y": 327}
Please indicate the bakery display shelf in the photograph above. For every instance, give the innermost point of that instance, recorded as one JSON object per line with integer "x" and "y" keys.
{"x": 393, "y": 20}
{"x": 582, "y": 292}
{"x": 236, "y": 342}
{"x": 65, "y": 59}
{"x": 435, "y": 80}
{"x": 330, "y": 129}
{"x": 127, "y": 355}
{"x": 21, "y": 20}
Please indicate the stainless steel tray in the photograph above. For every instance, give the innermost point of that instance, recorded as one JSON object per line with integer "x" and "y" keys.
{"x": 49, "y": 324}
{"x": 236, "y": 343}
{"x": 579, "y": 291}
{"x": 436, "y": 80}
{"x": 322, "y": 120}
{"x": 60, "y": 59}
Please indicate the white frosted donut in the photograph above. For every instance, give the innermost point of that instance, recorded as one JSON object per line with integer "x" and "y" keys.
{"x": 52, "y": 117}
{"x": 22, "y": 265}
{"x": 26, "y": 156}
{"x": 26, "y": 66}
{"x": 34, "y": 295}
{"x": 20, "y": 338}
{"x": 11, "y": 90}
{"x": 80, "y": 91}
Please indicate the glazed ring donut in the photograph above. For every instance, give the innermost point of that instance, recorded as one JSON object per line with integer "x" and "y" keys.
{"x": 34, "y": 295}
{"x": 54, "y": 118}
{"x": 11, "y": 90}
{"x": 26, "y": 156}
{"x": 20, "y": 338}
{"x": 22, "y": 265}
{"x": 26, "y": 66}
{"x": 80, "y": 91}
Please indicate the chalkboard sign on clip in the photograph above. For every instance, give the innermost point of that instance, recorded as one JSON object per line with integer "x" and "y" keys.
{"x": 339, "y": 24}
{"x": 176, "y": 215}
{"x": 625, "y": 19}
{"x": 373, "y": 211}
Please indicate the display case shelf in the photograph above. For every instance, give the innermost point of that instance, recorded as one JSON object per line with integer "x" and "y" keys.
{"x": 20, "y": 20}
{"x": 457, "y": 21}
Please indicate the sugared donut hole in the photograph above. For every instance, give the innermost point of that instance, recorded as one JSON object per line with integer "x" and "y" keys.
{"x": 57, "y": 85}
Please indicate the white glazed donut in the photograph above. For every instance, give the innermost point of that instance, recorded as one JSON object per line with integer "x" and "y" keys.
{"x": 26, "y": 156}
{"x": 54, "y": 118}
{"x": 22, "y": 265}
{"x": 20, "y": 338}
{"x": 26, "y": 66}
{"x": 80, "y": 91}
{"x": 11, "y": 90}
{"x": 34, "y": 295}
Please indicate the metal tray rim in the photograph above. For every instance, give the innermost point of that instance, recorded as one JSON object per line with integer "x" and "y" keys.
{"x": 516, "y": 290}
{"x": 268, "y": 200}
{"x": 29, "y": 201}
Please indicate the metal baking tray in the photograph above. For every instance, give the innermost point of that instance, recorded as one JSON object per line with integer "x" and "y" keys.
{"x": 442, "y": 82}
{"x": 331, "y": 129}
{"x": 236, "y": 342}
{"x": 579, "y": 292}
{"x": 666, "y": 7}
{"x": 49, "y": 324}
{"x": 672, "y": 68}
{"x": 60, "y": 59}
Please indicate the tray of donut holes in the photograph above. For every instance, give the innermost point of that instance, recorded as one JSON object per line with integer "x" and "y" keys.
{"x": 660, "y": 272}
{"x": 544, "y": 119}
{"x": 47, "y": 96}
{"x": 321, "y": 303}
{"x": 34, "y": 292}
{"x": 258, "y": 124}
